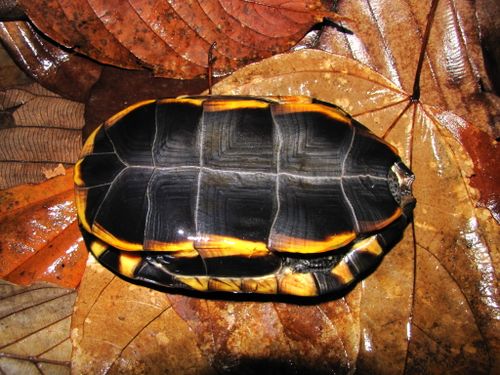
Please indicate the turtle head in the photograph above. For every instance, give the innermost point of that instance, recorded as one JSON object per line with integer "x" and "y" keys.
{"x": 400, "y": 179}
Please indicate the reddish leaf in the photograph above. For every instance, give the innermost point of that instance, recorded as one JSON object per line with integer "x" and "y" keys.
{"x": 40, "y": 239}
{"x": 58, "y": 70}
{"x": 173, "y": 38}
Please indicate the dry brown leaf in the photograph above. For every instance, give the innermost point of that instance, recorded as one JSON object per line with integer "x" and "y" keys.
{"x": 401, "y": 319}
{"x": 39, "y": 131}
{"x": 35, "y": 335}
{"x": 173, "y": 37}
{"x": 57, "y": 171}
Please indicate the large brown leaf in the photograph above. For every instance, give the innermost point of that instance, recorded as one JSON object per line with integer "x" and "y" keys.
{"x": 58, "y": 70}
{"x": 39, "y": 131}
{"x": 153, "y": 332}
{"x": 387, "y": 36}
{"x": 431, "y": 306}
{"x": 173, "y": 37}
{"x": 35, "y": 336}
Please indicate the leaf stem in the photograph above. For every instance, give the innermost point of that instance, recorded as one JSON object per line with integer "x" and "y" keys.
{"x": 211, "y": 61}
{"x": 415, "y": 96}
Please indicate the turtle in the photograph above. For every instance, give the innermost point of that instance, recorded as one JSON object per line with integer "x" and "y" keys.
{"x": 267, "y": 195}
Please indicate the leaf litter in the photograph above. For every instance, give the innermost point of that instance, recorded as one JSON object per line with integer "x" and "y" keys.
{"x": 402, "y": 317}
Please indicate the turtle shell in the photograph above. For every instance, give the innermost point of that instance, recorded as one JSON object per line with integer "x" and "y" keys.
{"x": 244, "y": 194}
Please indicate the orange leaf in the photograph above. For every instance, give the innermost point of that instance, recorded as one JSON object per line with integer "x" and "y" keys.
{"x": 40, "y": 238}
{"x": 173, "y": 37}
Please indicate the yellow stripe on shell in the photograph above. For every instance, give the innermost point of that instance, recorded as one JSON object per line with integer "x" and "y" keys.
{"x": 97, "y": 247}
{"x": 81, "y": 207}
{"x": 181, "y": 246}
{"x": 211, "y": 246}
{"x": 262, "y": 285}
{"x": 188, "y": 100}
{"x": 299, "y": 99}
{"x": 303, "y": 246}
{"x": 330, "y": 112}
{"x": 107, "y": 237}
{"x": 342, "y": 272}
{"x": 298, "y": 284}
{"x": 389, "y": 220}
{"x": 224, "y": 284}
{"x": 127, "y": 264}
{"x": 113, "y": 119}
{"x": 88, "y": 147}
{"x": 369, "y": 245}
{"x": 77, "y": 174}
{"x": 216, "y": 105}
{"x": 197, "y": 283}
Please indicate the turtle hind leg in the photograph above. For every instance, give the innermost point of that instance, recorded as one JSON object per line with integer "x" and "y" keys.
{"x": 363, "y": 257}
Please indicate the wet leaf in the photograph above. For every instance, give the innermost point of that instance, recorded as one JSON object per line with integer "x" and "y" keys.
{"x": 154, "y": 332}
{"x": 40, "y": 239}
{"x": 454, "y": 75}
{"x": 401, "y": 319}
{"x": 59, "y": 70}
{"x": 448, "y": 226}
{"x": 35, "y": 325}
{"x": 173, "y": 38}
{"x": 39, "y": 131}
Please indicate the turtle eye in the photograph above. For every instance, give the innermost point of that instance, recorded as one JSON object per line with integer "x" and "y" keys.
{"x": 400, "y": 180}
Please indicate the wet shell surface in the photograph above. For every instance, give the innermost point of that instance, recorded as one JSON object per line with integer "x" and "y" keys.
{"x": 242, "y": 194}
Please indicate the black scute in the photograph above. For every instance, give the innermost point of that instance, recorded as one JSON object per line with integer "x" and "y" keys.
{"x": 95, "y": 196}
{"x": 371, "y": 199}
{"x": 102, "y": 142}
{"x": 98, "y": 169}
{"x": 176, "y": 141}
{"x": 123, "y": 211}
{"x": 369, "y": 155}
{"x": 239, "y": 139}
{"x": 313, "y": 143}
{"x": 311, "y": 210}
{"x": 133, "y": 134}
{"x": 172, "y": 199}
{"x": 236, "y": 205}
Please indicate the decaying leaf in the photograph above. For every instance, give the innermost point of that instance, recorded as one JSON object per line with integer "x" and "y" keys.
{"x": 39, "y": 131}
{"x": 40, "y": 239}
{"x": 447, "y": 224}
{"x": 59, "y": 70}
{"x": 35, "y": 334}
{"x": 57, "y": 171}
{"x": 387, "y": 36}
{"x": 153, "y": 332}
{"x": 401, "y": 319}
{"x": 173, "y": 37}
{"x": 454, "y": 76}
